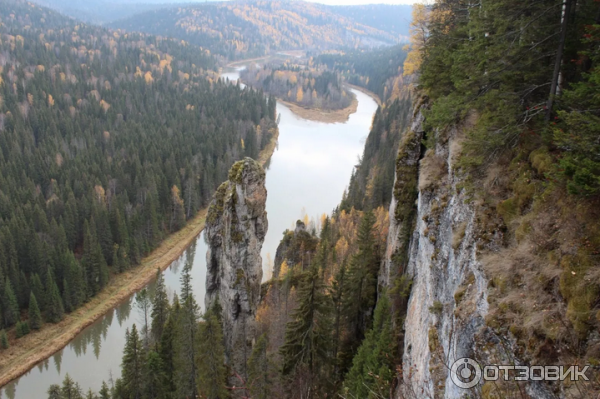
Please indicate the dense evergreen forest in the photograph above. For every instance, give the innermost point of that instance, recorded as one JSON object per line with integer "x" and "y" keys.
{"x": 376, "y": 70}
{"x": 371, "y": 184}
{"x": 301, "y": 85}
{"x": 108, "y": 143}
{"x": 249, "y": 29}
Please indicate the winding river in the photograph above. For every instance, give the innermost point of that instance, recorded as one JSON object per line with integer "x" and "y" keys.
{"x": 307, "y": 175}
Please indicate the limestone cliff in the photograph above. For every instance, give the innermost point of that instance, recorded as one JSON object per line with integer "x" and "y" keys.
{"x": 235, "y": 230}
{"x": 437, "y": 245}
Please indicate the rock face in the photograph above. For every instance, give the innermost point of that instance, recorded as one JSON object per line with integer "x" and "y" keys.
{"x": 435, "y": 246}
{"x": 235, "y": 230}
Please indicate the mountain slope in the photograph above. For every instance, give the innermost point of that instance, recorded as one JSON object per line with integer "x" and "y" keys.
{"x": 245, "y": 29}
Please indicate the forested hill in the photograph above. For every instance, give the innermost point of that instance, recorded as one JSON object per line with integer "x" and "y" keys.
{"x": 108, "y": 142}
{"x": 391, "y": 18}
{"x": 254, "y": 28}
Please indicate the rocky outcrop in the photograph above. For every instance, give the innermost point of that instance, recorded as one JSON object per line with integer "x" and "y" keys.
{"x": 236, "y": 225}
{"x": 435, "y": 245}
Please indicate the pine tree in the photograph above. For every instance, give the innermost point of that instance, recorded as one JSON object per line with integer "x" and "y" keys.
{"x": 35, "y": 317}
{"x": 259, "y": 370}
{"x": 22, "y": 329}
{"x": 54, "y": 392}
{"x": 306, "y": 336}
{"x": 55, "y": 310}
{"x": 187, "y": 332}
{"x": 132, "y": 366}
{"x": 212, "y": 374}
{"x": 104, "y": 391}
{"x": 373, "y": 366}
{"x": 10, "y": 306}
{"x": 143, "y": 303}
{"x": 167, "y": 350}
{"x": 76, "y": 287}
{"x": 336, "y": 292}
{"x": 360, "y": 288}
{"x": 71, "y": 389}
{"x": 66, "y": 296}
{"x": 160, "y": 307}
{"x": 37, "y": 288}
{"x": 154, "y": 377}
{"x": 3, "y": 340}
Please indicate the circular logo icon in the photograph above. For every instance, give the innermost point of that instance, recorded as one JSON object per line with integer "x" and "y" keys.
{"x": 465, "y": 373}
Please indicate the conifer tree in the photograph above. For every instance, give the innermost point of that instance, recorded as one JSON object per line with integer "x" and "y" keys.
{"x": 55, "y": 310}
{"x": 360, "y": 287}
{"x": 54, "y": 392}
{"x": 38, "y": 290}
{"x": 307, "y": 335}
{"x": 187, "y": 333}
{"x": 167, "y": 348}
{"x": 10, "y": 306}
{"x": 3, "y": 340}
{"x": 71, "y": 389}
{"x": 35, "y": 317}
{"x": 160, "y": 307}
{"x": 259, "y": 370}
{"x": 373, "y": 366}
{"x": 66, "y": 296}
{"x": 212, "y": 374}
{"x": 104, "y": 391}
{"x": 154, "y": 377}
{"x": 132, "y": 366}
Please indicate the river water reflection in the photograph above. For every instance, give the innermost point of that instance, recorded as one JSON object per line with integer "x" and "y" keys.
{"x": 307, "y": 174}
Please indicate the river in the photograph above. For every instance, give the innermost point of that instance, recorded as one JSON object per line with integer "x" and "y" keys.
{"x": 307, "y": 175}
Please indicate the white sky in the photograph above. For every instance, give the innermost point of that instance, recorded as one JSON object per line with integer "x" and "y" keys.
{"x": 356, "y": 2}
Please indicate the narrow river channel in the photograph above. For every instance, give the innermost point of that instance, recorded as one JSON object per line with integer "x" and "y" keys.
{"x": 307, "y": 175}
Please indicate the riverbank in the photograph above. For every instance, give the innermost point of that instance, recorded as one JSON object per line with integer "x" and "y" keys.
{"x": 319, "y": 115}
{"x": 367, "y": 92}
{"x": 26, "y": 352}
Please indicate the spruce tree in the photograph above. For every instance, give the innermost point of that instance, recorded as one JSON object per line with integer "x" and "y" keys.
{"x": 54, "y": 392}
{"x": 212, "y": 374}
{"x": 37, "y": 288}
{"x": 167, "y": 350}
{"x": 307, "y": 334}
{"x": 104, "y": 391}
{"x": 35, "y": 316}
{"x": 10, "y": 306}
{"x": 132, "y": 366}
{"x": 187, "y": 333}
{"x": 70, "y": 389}
{"x": 259, "y": 370}
{"x": 373, "y": 366}
{"x": 160, "y": 308}
{"x": 154, "y": 377}
{"x": 3, "y": 340}
{"x": 55, "y": 310}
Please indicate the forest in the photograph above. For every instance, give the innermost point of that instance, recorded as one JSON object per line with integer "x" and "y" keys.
{"x": 325, "y": 326}
{"x": 252, "y": 29}
{"x": 108, "y": 143}
{"x": 301, "y": 85}
{"x": 311, "y": 326}
{"x": 377, "y": 70}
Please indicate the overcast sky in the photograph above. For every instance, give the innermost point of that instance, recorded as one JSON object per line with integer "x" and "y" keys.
{"x": 355, "y": 2}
